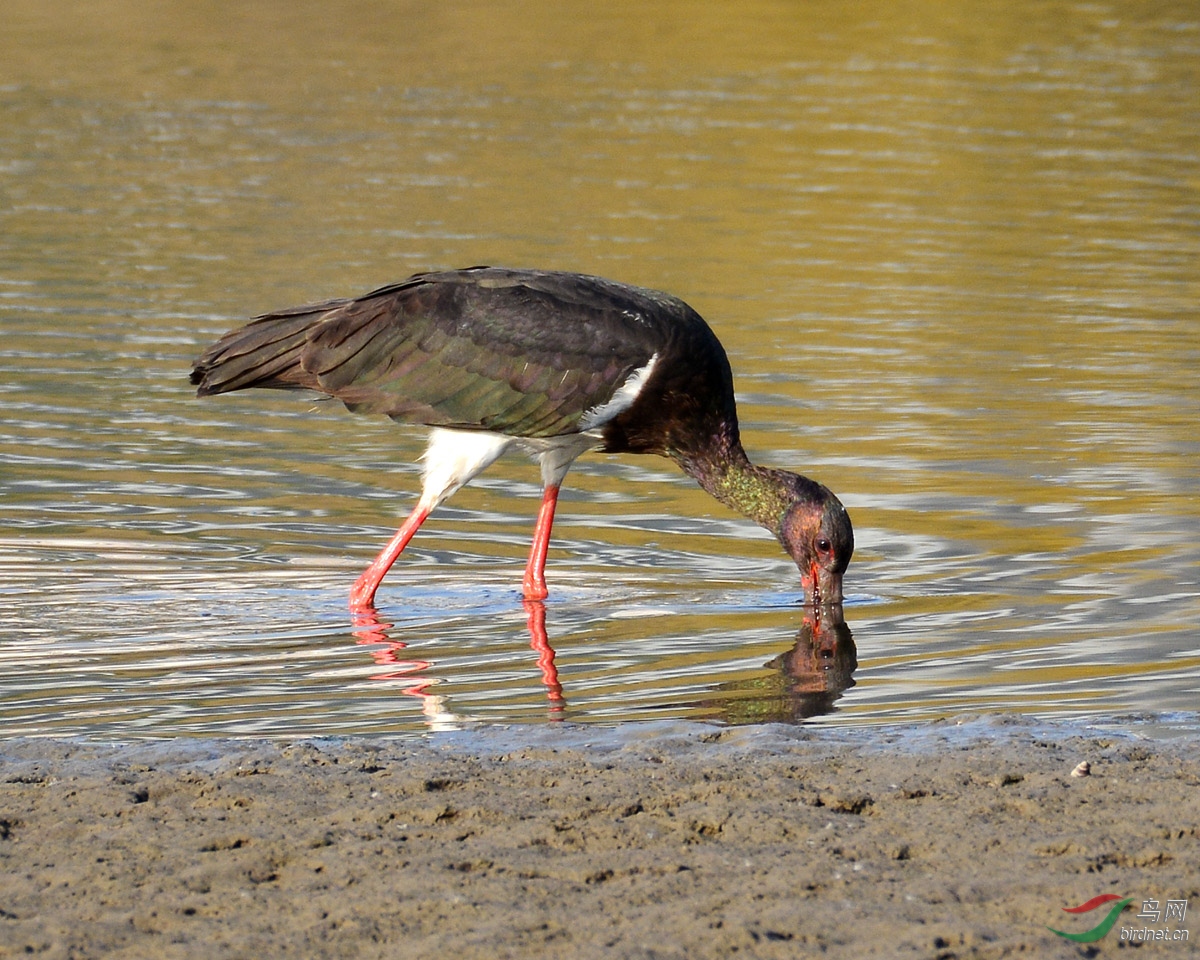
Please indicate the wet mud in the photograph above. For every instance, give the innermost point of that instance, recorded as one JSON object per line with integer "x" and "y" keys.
{"x": 943, "y": 840}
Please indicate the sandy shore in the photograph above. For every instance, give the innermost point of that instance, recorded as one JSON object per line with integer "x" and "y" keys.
{"x": 948, "y": 840}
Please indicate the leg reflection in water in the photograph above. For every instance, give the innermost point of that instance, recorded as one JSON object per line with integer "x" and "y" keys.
{"x": 535, "y": 612}
{"x": 370, "y": 630}
{"x": 804, "y": 682}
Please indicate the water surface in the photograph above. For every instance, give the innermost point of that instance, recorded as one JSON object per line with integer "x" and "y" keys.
{"x": 954, "y": 260}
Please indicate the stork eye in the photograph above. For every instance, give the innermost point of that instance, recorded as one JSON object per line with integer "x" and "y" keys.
{"x": 824, "y": 545}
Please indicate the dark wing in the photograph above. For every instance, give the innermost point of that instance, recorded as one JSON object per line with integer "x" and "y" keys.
{"x": 521, "y": 352}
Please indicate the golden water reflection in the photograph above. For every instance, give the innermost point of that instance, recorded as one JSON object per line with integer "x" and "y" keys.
{"x": 952, "y": 256}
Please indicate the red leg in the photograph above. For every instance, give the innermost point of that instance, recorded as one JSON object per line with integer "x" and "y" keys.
{"x": 535, "y": 571}
{"x": 362, "y": 594}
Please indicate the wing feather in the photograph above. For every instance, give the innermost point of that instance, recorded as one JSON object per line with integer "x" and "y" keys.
{"x": 526, "y": 353}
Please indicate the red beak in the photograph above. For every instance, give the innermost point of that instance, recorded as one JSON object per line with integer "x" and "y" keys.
{"x": 821, "y": 587}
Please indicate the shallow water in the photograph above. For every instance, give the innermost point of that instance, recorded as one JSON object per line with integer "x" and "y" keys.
{"x": 955, "y": 264}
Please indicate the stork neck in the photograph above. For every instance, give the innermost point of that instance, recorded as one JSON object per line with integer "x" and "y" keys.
{"x": 727, "y": 474}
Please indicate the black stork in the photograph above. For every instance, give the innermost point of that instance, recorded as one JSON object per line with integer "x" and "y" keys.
{"x": 549, "y": 363}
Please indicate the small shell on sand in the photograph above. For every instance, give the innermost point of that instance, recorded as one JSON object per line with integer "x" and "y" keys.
{"x": 1082, "y": 769}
